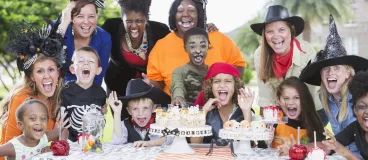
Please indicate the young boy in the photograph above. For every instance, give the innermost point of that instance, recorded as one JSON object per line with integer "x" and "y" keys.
{"x": 139, "y": 100}
{"x": 81, "y": 95}
{"x": 187, "y": 80}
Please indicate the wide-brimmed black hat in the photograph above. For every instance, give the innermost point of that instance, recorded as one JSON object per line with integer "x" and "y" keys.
{"x": 333, "y": 54}
{"x": 137, "y": 88}
{"x": 279, "y": 13}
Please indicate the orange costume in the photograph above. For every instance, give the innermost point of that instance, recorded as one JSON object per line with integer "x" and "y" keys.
{"x": 10, "y": 127}
{"x": 283, "y": 131}
{"x": 169, "y": 54}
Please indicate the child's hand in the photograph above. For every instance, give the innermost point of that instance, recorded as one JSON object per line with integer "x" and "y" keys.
{"x": 211, "y": 104}
{"x": 286, "y": 145}
{"x": 115, "y": 103}
{"x": 332, "y": 143}
{"x": 142, "y": 144}
{"x": 179, "y": 101}
{"x": 245, "y": 99}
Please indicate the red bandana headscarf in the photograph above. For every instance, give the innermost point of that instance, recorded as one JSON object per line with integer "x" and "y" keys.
{"x": 214, "y": 70}
{"x": 281, "y": 64}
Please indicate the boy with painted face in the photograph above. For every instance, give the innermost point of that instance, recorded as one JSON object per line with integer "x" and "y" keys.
{"x": 139, "y": 102}
{"x": 187, "y": 79}
{"x": 83, "y": 94}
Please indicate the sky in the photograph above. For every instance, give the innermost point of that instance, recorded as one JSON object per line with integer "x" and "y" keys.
{"x": 227, "y": 15}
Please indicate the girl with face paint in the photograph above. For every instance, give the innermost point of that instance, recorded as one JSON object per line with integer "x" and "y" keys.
{"x": 187, "y": 79}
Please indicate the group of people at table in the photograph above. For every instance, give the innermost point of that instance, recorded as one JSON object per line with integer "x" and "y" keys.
{"x": 144, "y": 63}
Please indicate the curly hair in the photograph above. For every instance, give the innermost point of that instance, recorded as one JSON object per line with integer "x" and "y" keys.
{"x": 174, "y": 9}
{"x": 358, "y": 86}
{"x": 208, "y": 93}
{"x": 141, "y": 6}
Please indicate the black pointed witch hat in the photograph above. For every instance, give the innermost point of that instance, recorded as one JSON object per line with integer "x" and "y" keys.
{"x": 333, "y": 54}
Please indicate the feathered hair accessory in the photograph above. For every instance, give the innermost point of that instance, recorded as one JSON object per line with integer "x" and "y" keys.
{"x": 27, "y": 43}
{"x": 98, "y": 3}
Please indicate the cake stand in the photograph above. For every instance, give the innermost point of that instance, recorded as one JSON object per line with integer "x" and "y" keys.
{"x": 244, "y": 137}
{"x": 180, "y": 144}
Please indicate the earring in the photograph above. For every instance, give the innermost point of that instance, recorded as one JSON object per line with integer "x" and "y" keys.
{"x": 96, "y": 31}
{"x": 72, "y": 32}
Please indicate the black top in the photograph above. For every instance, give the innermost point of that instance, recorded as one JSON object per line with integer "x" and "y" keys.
{"x": 119, "y": 71}
{"x": 77, "y": 101}
{"x": 354, "y": 133}
{"x": 214, "y": 120}
{"x": 133, "y": 135}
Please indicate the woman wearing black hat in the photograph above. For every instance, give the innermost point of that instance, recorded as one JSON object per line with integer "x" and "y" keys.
{"x": 280, "y": 55}
{"x": 333, "y": 70}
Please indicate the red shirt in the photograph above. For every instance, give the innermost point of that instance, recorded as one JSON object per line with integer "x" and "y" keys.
{"x": 134, "y": 59}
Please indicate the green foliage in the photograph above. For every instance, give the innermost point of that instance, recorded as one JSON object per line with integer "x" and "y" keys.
{"x": 247, "y": 75}
{"x": 319, "y": 10}
{"x": 247, "y": 40}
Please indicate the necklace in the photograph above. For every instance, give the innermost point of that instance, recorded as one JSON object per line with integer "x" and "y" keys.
{"x": 142, "y": 49}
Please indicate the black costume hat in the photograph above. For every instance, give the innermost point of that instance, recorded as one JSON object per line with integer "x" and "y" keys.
{"x": 334, "y": 54}
{"x": 137, "y": 88}
{"x": 27, "y": 43}
{"x": 279, "y": 13}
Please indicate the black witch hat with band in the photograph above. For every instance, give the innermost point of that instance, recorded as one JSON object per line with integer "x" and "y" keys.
{"x": 279, "y": 13}
{"x": 27, "y": 43}
{"x": 333, "y": 54}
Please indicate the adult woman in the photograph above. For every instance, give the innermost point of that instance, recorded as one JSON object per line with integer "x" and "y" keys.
{"x": 333, "y": 70}
{"x": 133, "y": 36}
{"x": 79, "y": 27}
{"x": 280, "y": 55}
{"x": 168, "y": 54}
{"x": 41, "y": 56}
{"x": 223, "y": 98}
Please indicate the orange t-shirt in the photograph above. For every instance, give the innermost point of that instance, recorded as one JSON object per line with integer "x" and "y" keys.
{"x": 169, "y": 54}
{"x": 10, "y": 127}
{"x": 283, "y": 132}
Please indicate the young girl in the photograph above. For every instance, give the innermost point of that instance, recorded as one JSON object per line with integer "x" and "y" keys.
{"x": 223, "y": 98}
{"x": 297, "y": 104}
{"x": 333, "y": 70}
{"x": 32, "y": 118}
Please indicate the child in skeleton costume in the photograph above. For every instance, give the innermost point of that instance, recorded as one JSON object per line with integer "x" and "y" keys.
{"x": 139, "y": 102}
{"x": 333, "y": 70}
{"x": 83, "y": 94}
{"x": 187, "y": 79}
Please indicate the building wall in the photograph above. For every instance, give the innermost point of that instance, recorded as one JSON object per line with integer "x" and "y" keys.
{"x": 354, "y": 33}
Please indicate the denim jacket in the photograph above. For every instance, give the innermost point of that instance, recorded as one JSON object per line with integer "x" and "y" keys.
{"x": 335, "y": 124}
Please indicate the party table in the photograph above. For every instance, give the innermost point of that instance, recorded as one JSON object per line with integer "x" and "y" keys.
{"x": 124, "y": 152}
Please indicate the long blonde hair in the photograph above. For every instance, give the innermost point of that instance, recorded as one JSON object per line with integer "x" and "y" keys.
{"x": 32, "y": 91}
{"x": 266, "y": 58}
{"x": 344, "y": 110}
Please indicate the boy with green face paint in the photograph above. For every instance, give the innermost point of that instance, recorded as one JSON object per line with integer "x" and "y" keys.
{"x": 187, "y": 80}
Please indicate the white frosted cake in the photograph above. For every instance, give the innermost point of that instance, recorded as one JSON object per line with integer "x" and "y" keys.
{"x": 177, "y": 117}
{"x": 271, "y": 113}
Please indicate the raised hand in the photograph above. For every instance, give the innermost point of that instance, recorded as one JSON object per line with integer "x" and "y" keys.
{"x": 245, "y": 99}
{"x": 332, "y": 143}
{"x": 178, "y": 101}
{"x": 114, "y": 102}
{"x": 66, "y": 15}
{"x": 211, "y": 104}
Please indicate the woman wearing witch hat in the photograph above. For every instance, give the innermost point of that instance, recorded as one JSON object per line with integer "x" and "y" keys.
{"x": 333, "y": 70}
{"x": 280, "y": 55}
